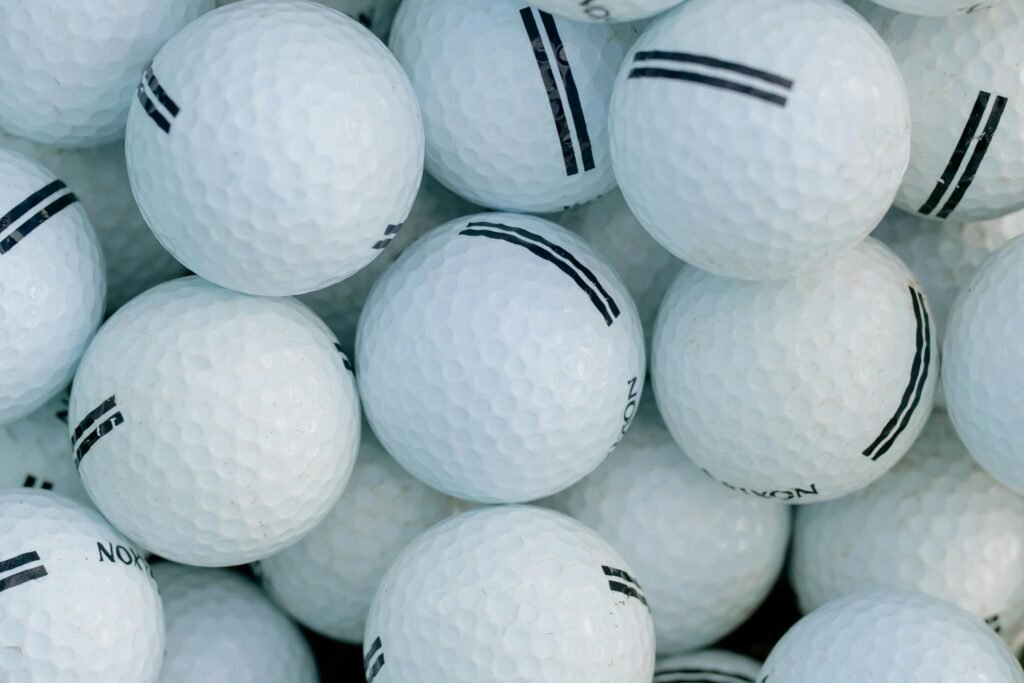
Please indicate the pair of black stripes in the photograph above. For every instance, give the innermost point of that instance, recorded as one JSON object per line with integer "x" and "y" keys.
{"x": 25, "y": 575}
{"x": 56, "y": 198}
{"x": 697, "y": 674}
{"x": 918, "y": 376}
{"x": 564, "y": 124}
{"x": 86, "y": 436}
{"x": 373, "y": 662}
{"x": 957, "y": 160}
{"x": 767, "y": 87}
{"x": 620, "y": 581}
{"x": 167, "y": 110}
{"x": 30, "y": 483}
{"x": 389, "y": 234}
{"x": 554, "y": 254}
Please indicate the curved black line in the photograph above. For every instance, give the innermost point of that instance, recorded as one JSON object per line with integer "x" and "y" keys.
{"x": 703, "y": 60}
{"x": 959, "y": 152}
{"x": 691, "y": 77}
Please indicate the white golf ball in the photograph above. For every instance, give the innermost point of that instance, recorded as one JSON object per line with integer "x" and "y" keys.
{"x": 375, "y": 15}
{"x": 801, "y": 390}
{"x": 340, "y": 305}
{"x": 515, "y": 594}
{"x": 982, "y": 356}
{"x": 327, "y": 580}
{"x": 707, "y": 666}
{"x": 275, "y": 146}
{"x": 221, "y": 627}
{"x": 646, "y": 267}
{"x": 68, "y": 71}
{"x": 938, "y": 8}
{"x": 77, "y": 602}
{"x": 707, "y": 556}
{"x": 937, "y": 524}
{"x": 890, "y": 636}
{"x": 515, "y": 101}
{"x": 52, "y": 285}
{"x": 98, "y": 176}
{"x": 967, "y": 104}
{"x": 797, "y": 102}
{"x": 214, "y": 428}
{"x": 500, "y": 358}
{"x": 605, "y": 10}
{"x": 36, "y": 453}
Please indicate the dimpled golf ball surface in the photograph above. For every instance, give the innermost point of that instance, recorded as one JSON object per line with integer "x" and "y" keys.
{"x": 515, "y": 101}
{"x": 645, "y": 266}
{"x": 967, "y": 104}
{"x": 340, "y": 305}
{"x": 275, "y": 146}
{"x": 499, "y": 358}
{"x": 802, "y": 390}
{"x": 712, "y": 666}
{"x": 937, "y": 8}
{"x": 514, "y": 594}
{"x": 35, "y": 453}
{"x": 99, "y": 178}
{"x": 707, "y": 556}
{"x": 221, "y": 627}
{"x": 797, "y": 101}
{"x": 52, "y": 285}
{"x": 77, "y": 602}
{"x": 68, "y": 71}
{"x": 327, "y": 579}
{"x": 605, "y": 10}
{"x": 890, "y": 636}
{"x": 214, "y": 428}
{"x": 375, "y": 15}
{"x": 937, "y": 523}
{"x": 981, "y": 353}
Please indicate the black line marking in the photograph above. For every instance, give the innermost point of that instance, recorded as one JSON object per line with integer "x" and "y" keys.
{"x": 650, "y": 72}
{"x": 23, "y": 207}
{"x": 104, "y": 428}
{"x": 378, "y": 664}
{"x": 628, "y": 591}
{"x": 994, "y": 623}
{"x": 158, "y": 91}
{"x": 700, "y": 675}
{"x": 735, "y": 67}
{"x": 561, "y": 251}
{"x": 980, "y": 149}
{"x": 151, "y": 110}
{"x": 918, "y": 374}
{"x": 18, "y": 561}
{"x": 344, "y": 358}
{"x": 571, "y": 92}
{"x": 374, "y": 649}
{"x": 22, "y": 577}
{"x": 390, "y": 233}
{"x": 619, "y": 574}
{"x": 90, "y": 418}
{"x": 30, "y": 483}
{"x": 551, "y": 258}
{"x": 44, "y": 214}
{"x": 548, "y": 77}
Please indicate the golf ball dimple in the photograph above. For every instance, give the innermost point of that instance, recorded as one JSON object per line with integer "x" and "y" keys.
{"x": 605, "y": 10}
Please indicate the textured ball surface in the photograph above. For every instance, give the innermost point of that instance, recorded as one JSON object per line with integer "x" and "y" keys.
{"x": 801, "y": 390}
{"x": 212, "y": 427}
{"x": 375, "y": 15}
{"x": 707, "y": 556}
{"x": 796, "y": 101}
{"x": 52, "y": 285}
{"x": 327, "y": 580}
{"x": 890, "y": 636}
{"x": 77, "y": 602}
{"x": 967, "y": 104}
{"x": 500, "y": 358}
{"x": 275, "y": 146}
{"x": 981, "y": 355}
{"x": 68, "y": 71}
{"x": 515, "y": 101}
{"x": 714, "y": 666}
{"x": 220, "y": 627}
{"x": 937, "y": 8}
{"x": 937, "y": 523}
{"x": 605, "y": 10}
{"x": 515, "y": 594}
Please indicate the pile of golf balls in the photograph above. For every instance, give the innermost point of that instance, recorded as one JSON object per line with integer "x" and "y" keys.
{"x": 511, "y": 341}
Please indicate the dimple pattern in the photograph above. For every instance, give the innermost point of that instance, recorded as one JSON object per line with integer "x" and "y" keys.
{"x": 327, "y": 580}
{"x": 294, "y": 154}
{"x": 68, "y": 71}
{"x": 52, "y": 286}
{"x": 214, "y": 428}
{"x": 375, "y": 15}
{"x": 938, "y": 8}
{"x": 499, "y": 358}
{"x": 646, "y": 267}
{"x": 707, "y": 556}
{"x": 791, "y": 389}
{"x": 77, "y": 603}
{"x": 937, "y": 523}
{"x": 981, "y": 355}
{"x": 890, "y": 636}
{"x": 605, "y": 10}
{"x": 818, "y": 149}
{"x": 717, "y": 665}
{"x": 515, "y": 594}
{"x": 967, "y": 103}
{"x": 499, "y": 132}
{"x": 340, "y": 305}
{"x": 220, "y": 627}
{"x": 98, "y": 176}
